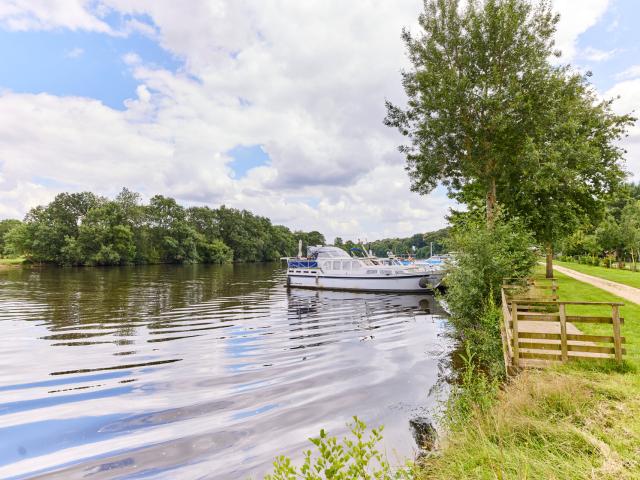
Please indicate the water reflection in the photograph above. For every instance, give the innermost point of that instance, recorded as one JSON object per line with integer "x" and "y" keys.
{"x": 199, "y": 371}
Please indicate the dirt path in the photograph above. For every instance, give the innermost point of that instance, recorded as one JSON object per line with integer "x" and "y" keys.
{"x": 628, "y": 293}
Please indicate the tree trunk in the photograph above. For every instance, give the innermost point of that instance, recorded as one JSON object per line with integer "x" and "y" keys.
{"x": 549, "y": 249}
{"x": 491, "y": 204}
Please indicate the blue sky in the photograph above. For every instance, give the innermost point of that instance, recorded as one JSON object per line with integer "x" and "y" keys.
{"x": 85, "y": 64}
{"x": 90, "y": 64}
{"x": 616, "y": 36}
{"x": 189, "y": 101}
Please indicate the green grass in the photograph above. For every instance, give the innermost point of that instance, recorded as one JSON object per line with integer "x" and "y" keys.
{"x": 11, "y": 261}
{"x": 626, "y": 277}
{"x": 573, "y": 290}
{"x": 576, "y": 421}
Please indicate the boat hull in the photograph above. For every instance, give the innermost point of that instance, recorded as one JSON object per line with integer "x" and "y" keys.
{"x": 424, "y": 282}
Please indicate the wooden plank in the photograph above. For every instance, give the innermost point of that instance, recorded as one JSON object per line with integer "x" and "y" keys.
{"x": 581, "y": 303}
{"x": 558, "y": 358}
{"x": 535, "y": 309}
{"x": 538, "y": 317}
{"x": 505, "y": 326}
{"x": 578, "y": 337}
{"x": 569, "y": 348}
{"x": 514, "y": 322}
{"x": 563, "y": 332}
{"x": 615, "y": 314}
{"x": 594, "y": 349}
{"x": 523, "y": 299}
{"x": 586, "y": 319}
{"x": 593, "y": 338}
{"x": 540, "y": 346}
{"x": 540, "y": 336}
{"x": 541, "y": 356}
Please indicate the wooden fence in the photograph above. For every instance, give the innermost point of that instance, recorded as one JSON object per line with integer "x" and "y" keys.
{"x": 537, "y": 330}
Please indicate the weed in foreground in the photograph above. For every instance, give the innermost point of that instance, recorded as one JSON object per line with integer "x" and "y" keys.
{"x": 355, "y": 457}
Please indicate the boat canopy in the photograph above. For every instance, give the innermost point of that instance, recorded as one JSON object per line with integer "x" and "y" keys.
{"x": 326, "y": 252}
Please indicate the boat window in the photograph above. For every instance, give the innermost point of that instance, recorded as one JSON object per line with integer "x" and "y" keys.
{"x": 372, "y": 272}
{"x": 355, "y": 265}
{"x": 385, "y": 272}
{"x": 336, "y": 265}
{"x": 326, "y": 266}
{"x": 346, "y": 265}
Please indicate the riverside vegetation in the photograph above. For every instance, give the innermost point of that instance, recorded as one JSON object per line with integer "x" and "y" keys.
{"x": 534, "y": 155}
{"x": 86, "y": 229}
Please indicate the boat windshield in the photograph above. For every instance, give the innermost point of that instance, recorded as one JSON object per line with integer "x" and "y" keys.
{"x": 327, "y": 252}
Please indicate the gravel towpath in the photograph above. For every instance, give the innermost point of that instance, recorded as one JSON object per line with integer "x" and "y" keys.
{"x": 631, "y": 294}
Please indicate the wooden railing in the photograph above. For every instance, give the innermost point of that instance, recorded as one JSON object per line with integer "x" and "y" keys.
{"x": 545, "y": 338}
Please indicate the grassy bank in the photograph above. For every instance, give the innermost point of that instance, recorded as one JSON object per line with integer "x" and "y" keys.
{"x": 11, "y": 262}
{"x": 626, "y": 277}
{"x": 573, "y": 422}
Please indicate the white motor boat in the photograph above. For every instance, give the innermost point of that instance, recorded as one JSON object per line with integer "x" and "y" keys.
{"x": 327, "y": 267}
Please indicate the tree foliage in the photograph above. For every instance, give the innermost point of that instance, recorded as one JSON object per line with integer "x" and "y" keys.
{"x": 405, "y": 246}
{"x": 484, "y": 258}
{"x": 5, "y": 227}
{"x": 476, "y": 93}
{"x": 85, "y": 229}
{"x": 614, "y": 236}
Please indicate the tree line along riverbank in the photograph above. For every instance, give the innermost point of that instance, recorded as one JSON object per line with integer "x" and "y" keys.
{"x": 86, "y": 229}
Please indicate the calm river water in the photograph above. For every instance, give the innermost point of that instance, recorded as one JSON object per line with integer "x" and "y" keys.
{"x": 201, "y": 371}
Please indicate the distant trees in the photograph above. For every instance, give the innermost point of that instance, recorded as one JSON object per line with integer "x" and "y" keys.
{"x": 615, "y": 237}
{"x": 85, "y": 229}
{"x": 404, "y": 246}
{"x": 309, "y": 239}
{"x": 5, "y": 227}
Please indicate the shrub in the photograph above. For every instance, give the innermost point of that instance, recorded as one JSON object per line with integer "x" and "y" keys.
{"x": 484, "y": 258}
{"x": 352, "y": 458}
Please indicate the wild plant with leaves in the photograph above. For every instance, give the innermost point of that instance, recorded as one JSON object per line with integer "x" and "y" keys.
{"x": 355, "y": 457}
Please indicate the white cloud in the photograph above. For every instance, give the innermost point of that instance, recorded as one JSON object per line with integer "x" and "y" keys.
{"x": 631, "y": 72}
{"x": 74, "y": 53}
{"x": 24, "y": 15}
{"x": 305, "y": 80}
{"x": 576, "y": 18}
{"x": 596, "y": 55}
{"x": 629, "y": 102}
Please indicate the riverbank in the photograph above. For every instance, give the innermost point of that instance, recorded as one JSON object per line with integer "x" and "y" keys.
{"x": 571, "y": 422}
{"x": 7, "y": 263}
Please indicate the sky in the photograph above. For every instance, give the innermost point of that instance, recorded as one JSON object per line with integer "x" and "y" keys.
{"x": 270, "y": 105}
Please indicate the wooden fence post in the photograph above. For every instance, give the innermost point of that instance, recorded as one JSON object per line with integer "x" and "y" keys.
{"x": 514, "y": 322}
{"x": 615, "y": 315}
{"x": 563, "y": 332}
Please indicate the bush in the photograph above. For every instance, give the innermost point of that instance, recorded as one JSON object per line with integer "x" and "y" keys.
{"x": 352, "y": 458}
{"x": 484, "y": 258}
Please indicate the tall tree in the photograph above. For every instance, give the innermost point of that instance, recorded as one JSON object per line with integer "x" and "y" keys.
{"x": 568, "y": 168}
{"x": 473, "y": 93}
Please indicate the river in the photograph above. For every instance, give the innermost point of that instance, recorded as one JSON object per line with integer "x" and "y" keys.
{"x": 201, "y": 371}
